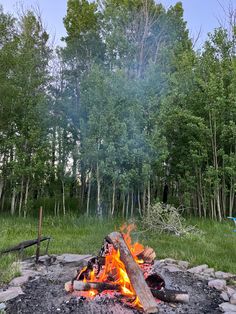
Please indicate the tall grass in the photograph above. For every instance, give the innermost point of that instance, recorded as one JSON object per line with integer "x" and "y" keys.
{"x": 81, "y": 235}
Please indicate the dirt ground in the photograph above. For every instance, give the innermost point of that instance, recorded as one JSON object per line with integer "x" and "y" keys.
{"x": 45, "y": 294}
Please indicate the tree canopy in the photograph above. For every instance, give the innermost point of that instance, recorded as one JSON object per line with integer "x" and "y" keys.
{"x": 124, "y": 108}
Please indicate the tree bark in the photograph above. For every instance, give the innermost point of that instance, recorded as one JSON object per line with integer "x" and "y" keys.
{"x": 63, "y": 197}
{"x": 139, "y": 204}
{"x": 21, "y": 195}
{"x": 113, "y": 197}
{"x": 135, "y": 274}
{"x": 99, "y": 210}
{"x": 13, "y": 199}
{"x": 132, "y": 204}
{"x": 127, "y": 207}
{"x": 26, "y": 197}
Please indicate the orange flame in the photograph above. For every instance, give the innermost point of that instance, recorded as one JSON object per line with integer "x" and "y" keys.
{"x": 114, "y": 271}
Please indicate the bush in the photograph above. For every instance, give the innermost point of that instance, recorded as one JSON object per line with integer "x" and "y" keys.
{"x": 167, "y": 218}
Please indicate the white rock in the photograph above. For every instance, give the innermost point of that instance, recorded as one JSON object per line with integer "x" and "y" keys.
{"x": 172, "y": 268}
{"x": 73, "y": 259}
{"x": 10, "y": 293}
{"x": 183, "y": 264}
{"x": 227, "y": 307}
{"x": 170, "y": 261}
{"x": 19, "y": 281}
{"x": 2, "y": 306}
{"x": 198, "y": 269}
{"x": 209, "y": 271}
{"x": 230, "y": 291}
{"x": 218, "y": 284}
{"x": 223, "y": 275}
{"x": 224, "y": 296}
{"x": 233, "y": 299}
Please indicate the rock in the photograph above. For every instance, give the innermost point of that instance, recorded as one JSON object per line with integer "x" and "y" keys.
{"x": 73, "y": 259}
{"x": 183, "y": 264}
{"x": 224, "y": 296}
{"x": 198, "y": 269}
{"x": 47, "y": 260}
{"x": 2, "y": 306}
{"x": 209, "y": 271}
{"x": 170, "y": 261}
{"x": 172, "y": 268}
{"x": 10, "y": 293}
{"x": 230, "y": 291}
{"x": 158, "y": 264}
{"x": 19, "y": 281}
{"x": 223, "y": 275}
{"x": 233, "y": 299}
{"x": 227, "y": 307}
{"x": 26, "y": 275}
{"x": 218, "y": 284}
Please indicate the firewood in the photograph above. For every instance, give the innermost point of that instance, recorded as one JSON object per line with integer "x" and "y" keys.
{"x": 167, "y": 295}
{"x": 99, "y": 286}
{"x": 148, "y": 255}
{"x": 135, "y": 274}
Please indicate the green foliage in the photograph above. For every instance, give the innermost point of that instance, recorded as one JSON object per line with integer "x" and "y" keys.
{"x": 125, "y": 107}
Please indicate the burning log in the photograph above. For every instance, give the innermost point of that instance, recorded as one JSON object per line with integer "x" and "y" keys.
{"x": 86, "y": 286}
{"x": 167, "y": 295}
{"x": 148, "y": 255}
{"x": 134, "y": 272}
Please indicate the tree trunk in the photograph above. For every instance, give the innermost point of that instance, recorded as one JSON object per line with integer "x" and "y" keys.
{"x": 26, "y": 197}
{"x": 63, "y": 197}
{"x": 3, "y": 201}
{"x": 55, "y": 208}
{"x": 139, "y": 204}
{"x": 13, "y": 199}
{"x": 127, "y": 207}
{"x": 231, "y": 197}
{"x": 144, "y": 36}
{"x": 132, "y": 204}
{"x": 144, "y": 200}
{"x": 21, "y": 195}
{"x": 1, "y": 187}
{"x": 212, "y": 121}
{"x": 123, "y": 206}
{"x": 149, "y": 197}
{"x": 113, "y": 198}
{"x": 88, "y": 197}
{"x": 99, "y": 210}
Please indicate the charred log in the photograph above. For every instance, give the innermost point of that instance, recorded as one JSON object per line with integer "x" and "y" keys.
{"x": 134, "y": 272}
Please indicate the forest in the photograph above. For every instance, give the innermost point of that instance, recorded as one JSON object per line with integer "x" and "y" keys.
{"x": 128, "y": 105}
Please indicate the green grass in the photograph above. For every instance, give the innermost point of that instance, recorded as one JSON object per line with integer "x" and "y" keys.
{"x": 217, "y": 247}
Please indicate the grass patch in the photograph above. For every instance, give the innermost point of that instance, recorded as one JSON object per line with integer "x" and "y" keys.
{"x": 217, "y": 247}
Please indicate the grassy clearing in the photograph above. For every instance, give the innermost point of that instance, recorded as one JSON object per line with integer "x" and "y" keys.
{"x": 217, "y": 247}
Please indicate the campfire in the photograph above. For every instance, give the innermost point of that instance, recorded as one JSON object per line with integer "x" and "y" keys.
{"x": 124, "y": 270}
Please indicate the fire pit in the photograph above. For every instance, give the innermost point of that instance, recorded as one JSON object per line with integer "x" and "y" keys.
{"x": 110, "y": 283}
{"x": 124, "y": 271}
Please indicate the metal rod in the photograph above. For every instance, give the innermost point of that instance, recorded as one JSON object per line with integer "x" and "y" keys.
{"x": 39, "y": 233}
